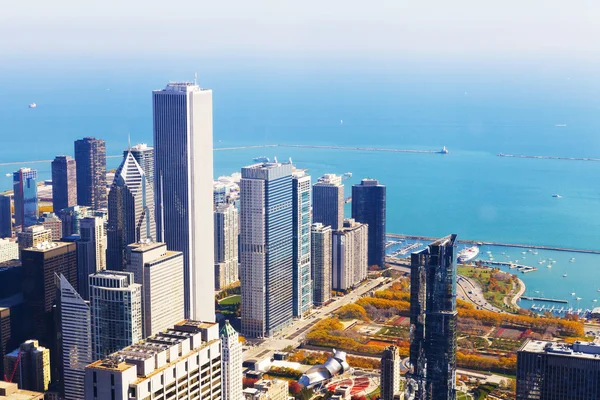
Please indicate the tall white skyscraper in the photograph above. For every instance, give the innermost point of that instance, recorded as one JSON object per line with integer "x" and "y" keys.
{"x": 303, "y": 301}
{"x": 231, "y": 363}
{"x": 183, "y": 169}
{"x": 116, "y": 305}
{"x": 91, "y": 252}
{"x": 266, "y": 248}
{"x": 321, "y": 263}
{"x": 75, "y": 338}
{"x": 226, "y": 245}
{"x": 349, "y": 255}
{"x": 160, "y": 272}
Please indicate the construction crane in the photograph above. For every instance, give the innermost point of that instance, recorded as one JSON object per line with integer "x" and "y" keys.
{"x": 14, "y": 371}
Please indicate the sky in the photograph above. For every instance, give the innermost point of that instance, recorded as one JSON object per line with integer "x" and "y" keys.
{"x": 323, "y": 29}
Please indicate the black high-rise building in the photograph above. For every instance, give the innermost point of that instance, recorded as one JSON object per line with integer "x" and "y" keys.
{"x": 433, "y": 320}
{"x": 90, "y": 158}
{"x": 5, "y": 217}
{"x": 64, "y": 183}
{"x": 328, "y": 201}
{"x": 368, "y": 207}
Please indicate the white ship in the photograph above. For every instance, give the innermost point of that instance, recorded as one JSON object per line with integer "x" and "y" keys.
{"x": 466, "y": 255}
{"x": 32, "y": 105}
{"x": 262, "y": 159}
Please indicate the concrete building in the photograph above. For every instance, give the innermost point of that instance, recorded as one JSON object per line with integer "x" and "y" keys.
{"x": 433, "y": 320}
{"x": 11, "y": 391}
{"x": 226, "y": 218}
{"x": 90, "y": 161}
{"x": 131, "y": 211}
{"x": 160, "y": 272}
{"x": 369, "y": 207}
{"x": 265, "y": 389}
{"x": 33, "y": 369}
{"x": 144, "y": 155}
{"x": 231, "y": 363}
{"x": 328, "y": 201}
{"x": 266, "y": 248}
{"x": 301, "y": 220}
{"x": 349, "y": 255}
{"x": 9, "y": 250}
{"x": 71, "y": 218}
{"x": 64, "y": 183}
{"x": 91, "y": 252}
{"x": 39, "y": 265}
{"x": 32, "y": 236}
{"x": 391, "y": 382}
{"x": 321, "y": 263}
{"x": 6, "y": 222}
{"x": 116, "y": 309}
{"x": 25, "y": 197}
{"x": 52, "y": 222}
{"x": 553, "y": 371}
{"x": 183, "y": 162}
{"x": 74, "y": 338}
{"x": 183, "y": 362}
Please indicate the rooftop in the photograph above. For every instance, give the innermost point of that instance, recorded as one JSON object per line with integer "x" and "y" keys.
{"x": 579, "y": 349}
{"x": 11, "y": 391}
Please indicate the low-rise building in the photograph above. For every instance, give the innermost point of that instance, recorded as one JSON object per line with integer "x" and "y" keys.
{"x": 267, "y": 390}
{"x": 11, "y": 391}
{"x": 31, "y": 366}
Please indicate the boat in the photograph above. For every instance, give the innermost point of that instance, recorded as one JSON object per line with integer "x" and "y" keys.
{"x": 558, "y": 196}
{"x": 341, "y": 122}
{"x": 564, "y": 275}
{"x": 595, "y": 300}
{"x": 11, "y": 174}
{"x": 466, "y": 255}
{"x": 560, "y": 125}
{"x": 599, "y": 290}
{"x": 535, "y": 253}
{"x": 261, "y": 159}
{"x": 347, "y": 175}
{"x": 32, "y": 105}
{"x": 572, "y": 293}
{"x": 443, "y": 151}
{"x": 549, "y": 266}
{"x": 572, "y": 259}
{"x": 579, "y": 298}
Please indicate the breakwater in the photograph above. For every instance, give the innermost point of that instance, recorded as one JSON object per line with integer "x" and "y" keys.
{"x": 549, "y": 157}
{"x": 306, "y": 146}
{"x": 544, "y": 299}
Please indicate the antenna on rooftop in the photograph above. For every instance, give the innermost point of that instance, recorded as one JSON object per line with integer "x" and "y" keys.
{"x": 129, "y": 141}
{"x": 195, "y": 78}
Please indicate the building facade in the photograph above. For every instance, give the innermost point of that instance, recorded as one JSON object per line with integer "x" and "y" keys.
{"x": 144, "y": 155}
{"x": 116, "y": 311}
{"x": 328, "y": 201}
{"x": 160, "y": 273}
{"x": 64, "y": 183}
{"x": 90, "y": 161}
{"x": 9, "y": 250}
{"x": 49, "y": 220}
{"x": 6, "y": 222}
{"x": 74, "y": 338}
{"x": 32, "y": 236}
{"x": 266, "y": 389}
{"x": 553, "y": 371}
{"x": 266, "y": 248}
{"x": 25, "y": 197}
{"x": 231, "y": 363}
{"x": 369, "y": 207}
{"x": 91, "y": 252}
{"x": 33, "y": 371}
{"x": 226, "y": 245}
{"x": 321, "y": 263}
{"x": 131, "y": 211}
{"x": 183, "y": 162}
{"x": 71, "y": 219}
{"x": 391, "y": 381}
{"x": 182, "y": 362}
{"x": 433, "y": 320}
{"x": 349, "y": 255}
{"x": 303, "y": 301}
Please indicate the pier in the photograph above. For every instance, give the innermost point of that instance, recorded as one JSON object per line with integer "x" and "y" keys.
{"x": 549, "y": 157}
{"x": 524, "y": 269}
{"x": 544, "y": 299}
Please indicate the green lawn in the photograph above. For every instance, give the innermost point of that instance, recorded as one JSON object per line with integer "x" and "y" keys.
{"x": 462, "y": 396}
{"x": 231, "y": 300}
{"x": 482, "y": 276}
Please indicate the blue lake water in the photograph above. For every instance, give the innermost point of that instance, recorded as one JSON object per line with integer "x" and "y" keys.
{"x": 470, "y": 191}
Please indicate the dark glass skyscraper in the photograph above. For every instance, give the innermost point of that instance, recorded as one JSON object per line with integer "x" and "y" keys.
{"x": 5, "y": 217}
{"x": 433, "y": 320}
{"x": 328, "y": 201}
{"x": 26, "y": 199}
{"x": 64, "y": 183}
{"x": 90, "y": 157}
{"x": 368, "y": 207}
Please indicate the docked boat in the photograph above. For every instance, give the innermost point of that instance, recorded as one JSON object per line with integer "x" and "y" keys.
{"x": 466, "y": 255}
{"x": 261, "y": 159}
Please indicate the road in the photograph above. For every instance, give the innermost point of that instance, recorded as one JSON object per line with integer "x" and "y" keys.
{"x": 295, "y": 333}
{"x": 470, "y": 291}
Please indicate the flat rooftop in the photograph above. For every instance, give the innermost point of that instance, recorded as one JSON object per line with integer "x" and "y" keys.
{"x": 579, "y": 349}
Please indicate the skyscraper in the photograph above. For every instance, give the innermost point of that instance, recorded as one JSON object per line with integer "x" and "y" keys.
{"x": 433, "y": 320}
{"x": 91, "y": 252}
{"x": 40, "y": 263}
{"x": 131, "y": 211}
{"x": 321, "y": 263}
{"x": 349, "y": 255}
{"x": 160, "y": 272}
{"x": 226, "y": 245}
{"x": 26, "y": 198}
{"x": 90, "y": 158}
{"x": 64, "y": 183}
{"x": 144, "y": 155}
{"x": 5, "y": 217}
{"x": 301, "y": 219}
{"x": 33, "y": 372}
{"x": 116, "y": 311}
{"x": 71, "y": 219}
{"x": 266, "y": 248}
{"x": 183, "y": 162}
{"x": 50, "y": 221}
{"x": 368, "y": 207}
{"x": 231, "y": 363}
{"x": 328, "y": 201}
{"x": 74, "y": 338}
{"x": 391, "y": 381}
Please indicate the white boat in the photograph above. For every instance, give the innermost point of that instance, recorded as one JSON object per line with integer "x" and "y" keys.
{"x": 549, "y": 266}
{"x": 595, "y": 300}
{"x": 347, "y": 175}
{"x": 32, "y": 105}
{"x": 535, "y": 253}
{"x": 261, "y": 159}
{"x": 11, "y": 174}
{"x": 466, "y": 255}
{"x": 579, "y": 298}
{"x": 564, "y": 275}
{"x": 523, "y": 252}
{"x": 572, "y": 259}
{"x": 572, "y": 293}
{"x": 558, "y": 196}
{"x": 444, "y": 150}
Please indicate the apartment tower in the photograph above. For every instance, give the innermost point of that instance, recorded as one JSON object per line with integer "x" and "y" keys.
{"x": 90, "y": 162}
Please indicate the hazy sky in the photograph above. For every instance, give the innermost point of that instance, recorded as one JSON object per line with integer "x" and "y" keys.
{"x": 323, "y": 28}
